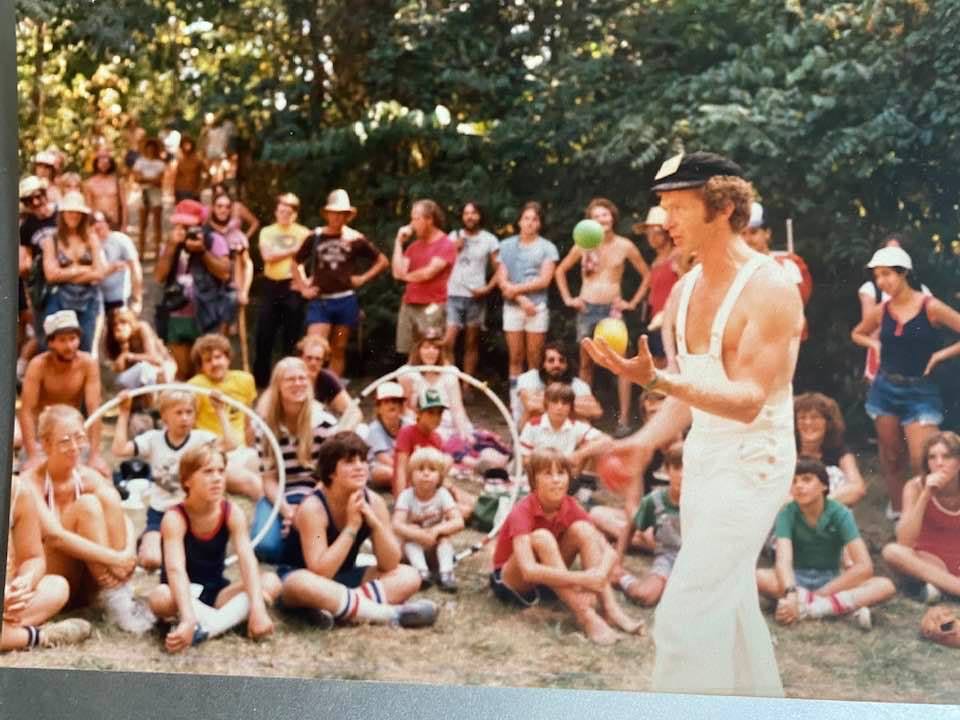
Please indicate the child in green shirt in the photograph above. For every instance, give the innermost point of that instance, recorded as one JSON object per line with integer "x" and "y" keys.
{"x": 812, "y": 533}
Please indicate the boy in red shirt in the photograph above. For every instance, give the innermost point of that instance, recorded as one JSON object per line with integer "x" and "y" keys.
{"x": 423, "y": 433}
{"x": 538, "y": 543}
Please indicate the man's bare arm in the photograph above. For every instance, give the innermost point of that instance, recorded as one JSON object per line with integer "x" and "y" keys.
{"x": 768, "y": 344}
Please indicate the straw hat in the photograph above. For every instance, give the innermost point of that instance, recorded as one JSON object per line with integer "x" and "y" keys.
{"x": 31, "y": 184}
{"x": 45, "y": 157}
{"x": 64, "y": 320}
{"x": 656, "y": 217}
{"x": 339, "y": 201}
{"x": 74, "y": 202}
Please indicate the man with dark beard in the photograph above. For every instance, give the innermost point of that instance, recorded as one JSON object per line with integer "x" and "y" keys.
{"x": 555, "y": 368}
{"x": 63, "y": 375}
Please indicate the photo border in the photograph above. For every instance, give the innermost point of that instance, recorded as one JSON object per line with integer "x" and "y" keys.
{"x": 108, "y": 695}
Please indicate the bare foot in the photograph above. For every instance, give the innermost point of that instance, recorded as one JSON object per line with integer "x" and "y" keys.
{"x": 626, "y": 623}
{"x": 597, "y": 630}
{"x": 618, "y": 617}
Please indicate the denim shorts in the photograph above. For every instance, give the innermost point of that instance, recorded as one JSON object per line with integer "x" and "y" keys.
{"x": 465, "y": 311}
{"x": 914, "y": 402}
{"x": 588, "y": 319}
{"x": 334, "y": 311}
{"x": 813, "y": 579}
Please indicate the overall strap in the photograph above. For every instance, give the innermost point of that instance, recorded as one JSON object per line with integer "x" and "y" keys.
{"x": 726, "y": 307}
{"x": 688, "y": 282}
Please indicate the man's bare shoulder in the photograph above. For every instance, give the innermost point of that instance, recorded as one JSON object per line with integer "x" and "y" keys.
{"x": 772, "y": 293}
{"x": 88, "y": 362}
{"x": 772, "y": 282}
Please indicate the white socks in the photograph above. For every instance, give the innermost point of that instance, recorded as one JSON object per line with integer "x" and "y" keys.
{"x": 355, "y": 607}
{"x": 417, "y": 558}
{"x": 217, "y": 621}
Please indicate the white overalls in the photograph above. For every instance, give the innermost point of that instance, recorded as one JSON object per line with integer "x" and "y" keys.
{"x": 710, "y": 635}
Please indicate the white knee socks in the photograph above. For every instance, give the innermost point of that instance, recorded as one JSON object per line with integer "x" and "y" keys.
{"x": 217, "y": 621}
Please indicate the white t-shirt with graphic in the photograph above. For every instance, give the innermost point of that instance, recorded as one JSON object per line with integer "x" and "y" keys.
{"x": 470, "y": 269}
{"x": 154, "y": 447}
{"x": 425, "y": 513}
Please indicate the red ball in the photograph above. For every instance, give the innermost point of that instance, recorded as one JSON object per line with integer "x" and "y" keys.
{"x": 613, "y": 473}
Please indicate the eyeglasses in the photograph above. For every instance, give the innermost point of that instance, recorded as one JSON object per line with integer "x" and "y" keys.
{"x": 37, "y": 197}
{"x": 78, "y": 440}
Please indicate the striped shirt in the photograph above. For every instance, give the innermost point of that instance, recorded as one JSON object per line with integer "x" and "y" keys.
{"x": 300, "y": 479}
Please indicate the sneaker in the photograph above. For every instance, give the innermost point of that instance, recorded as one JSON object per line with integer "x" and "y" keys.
{"x": 125, "y": 611}
{"x": 862, "y": 618}
{"x": 448, "y": 583}
{"x": 426, "y": 580}
{"x": 931, "y": 595}
{"x": 200, "y": 635}
{"x": 64, "y": 632}
{"x": 417, "y": 613}
{"x": 321, "y": 619}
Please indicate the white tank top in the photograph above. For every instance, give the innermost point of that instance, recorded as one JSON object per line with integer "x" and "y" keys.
{"x": 777, "y": 413}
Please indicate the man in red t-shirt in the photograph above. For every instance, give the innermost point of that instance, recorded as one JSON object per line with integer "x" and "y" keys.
{"x": 425, "y": 267}
{"x": 540, "y": 539}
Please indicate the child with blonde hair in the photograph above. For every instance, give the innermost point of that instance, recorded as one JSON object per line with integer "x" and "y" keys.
{"x": 426, "y": 517}
{"x": 163, "y": 450}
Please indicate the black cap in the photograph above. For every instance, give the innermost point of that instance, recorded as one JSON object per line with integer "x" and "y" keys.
{"x": 693, "y": 170}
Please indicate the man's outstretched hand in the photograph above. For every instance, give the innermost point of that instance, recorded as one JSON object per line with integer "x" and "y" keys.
{"x": 639, "y": 369}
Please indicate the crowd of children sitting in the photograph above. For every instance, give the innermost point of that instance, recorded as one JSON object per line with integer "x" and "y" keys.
{"x": 342, "y": 555}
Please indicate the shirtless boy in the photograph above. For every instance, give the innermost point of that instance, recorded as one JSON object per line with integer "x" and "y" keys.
{"x": 602, "y": 277}
{"x": 63, "y": 375}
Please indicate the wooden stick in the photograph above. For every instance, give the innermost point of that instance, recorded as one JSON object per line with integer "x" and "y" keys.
{"x": 242, "y": 329}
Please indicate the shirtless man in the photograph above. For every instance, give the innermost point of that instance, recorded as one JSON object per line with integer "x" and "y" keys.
{"x": 104, "y": 192}
{"x": 738, "y": 327}
{"x": 63, "y": 375}
{"x": 602, "y": 273}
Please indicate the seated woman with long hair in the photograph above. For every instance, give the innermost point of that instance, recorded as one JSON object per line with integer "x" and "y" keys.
{"x": 138, "y": 356}
{"x": 928, "y": 534}
{"x": 300, "y": 425}
{"x": 819, "y": 431}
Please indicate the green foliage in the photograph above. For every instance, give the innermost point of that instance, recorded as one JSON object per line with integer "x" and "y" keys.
{"x": 845, "y": 115}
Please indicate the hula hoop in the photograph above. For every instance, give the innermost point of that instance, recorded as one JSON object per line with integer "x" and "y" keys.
{"x": 511, "y": 426}
{"x": 254, "y": 418}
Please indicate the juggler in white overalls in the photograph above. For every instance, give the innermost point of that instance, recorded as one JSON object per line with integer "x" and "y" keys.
{"x": 710, "y": 635}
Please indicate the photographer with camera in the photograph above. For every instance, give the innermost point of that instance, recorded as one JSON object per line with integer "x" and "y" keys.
{"x": 194, "y": 270}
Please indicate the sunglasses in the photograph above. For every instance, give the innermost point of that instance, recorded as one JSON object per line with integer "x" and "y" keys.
{"x": 37, "y": 197}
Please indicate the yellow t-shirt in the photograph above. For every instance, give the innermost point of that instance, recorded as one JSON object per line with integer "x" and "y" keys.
{"x": 237, "y": 385}
{"x": 286, "y": 238}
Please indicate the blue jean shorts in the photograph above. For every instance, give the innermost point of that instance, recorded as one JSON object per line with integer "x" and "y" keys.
{"x": 334, "y": 311}
{"x": 813, "y": 579}
{"x": 588, "y": 319}
{"x": 466, "y": 311}
{"x": 915, "y": 402}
